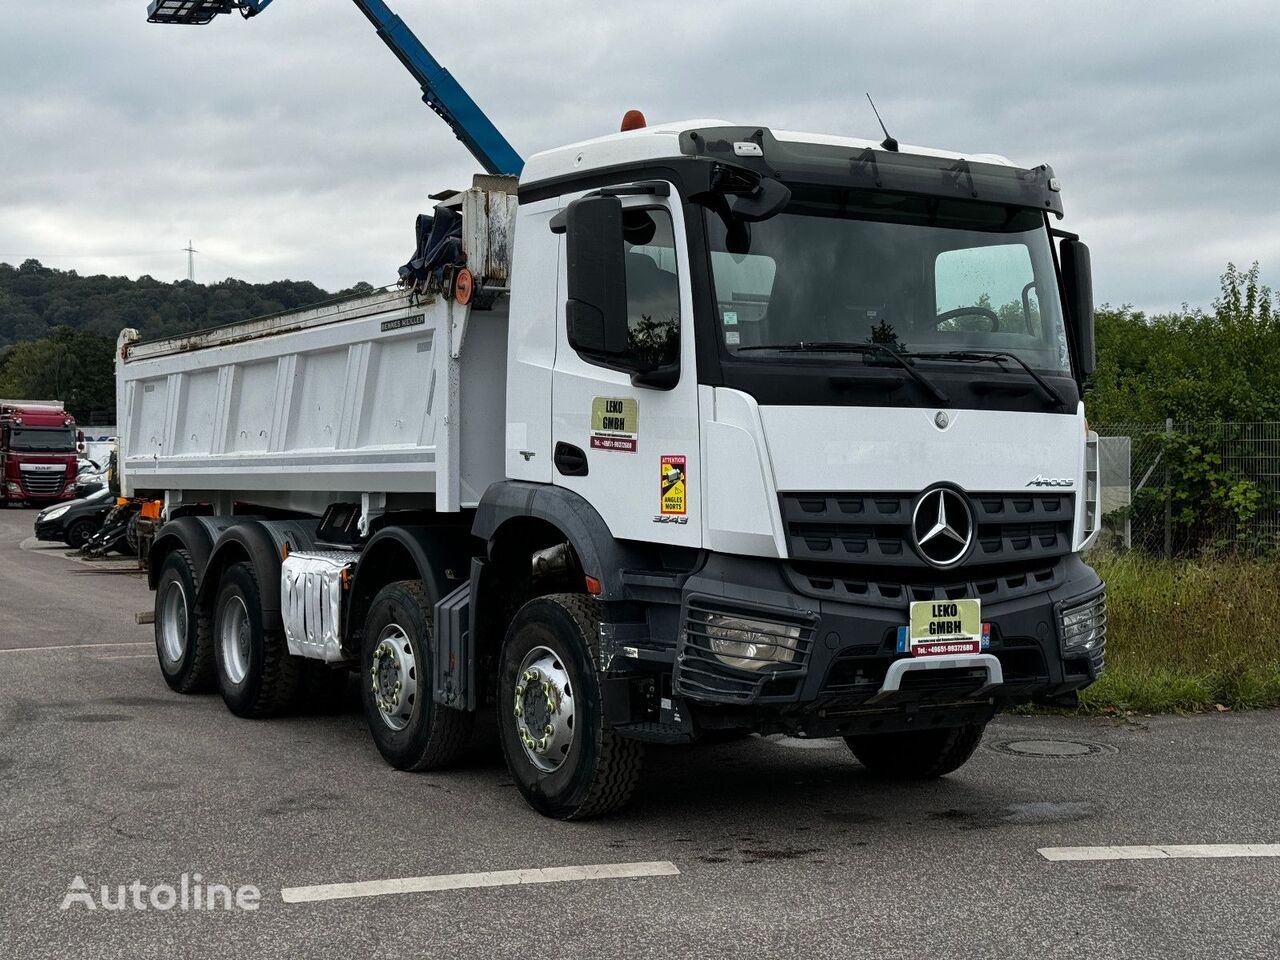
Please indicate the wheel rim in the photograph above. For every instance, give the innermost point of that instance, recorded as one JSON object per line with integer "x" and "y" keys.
{"x": 235, "y": 633}
{"x": 544, "y": 709}
{"x": 173, "y": 621}
{"x": 393, "y": 677}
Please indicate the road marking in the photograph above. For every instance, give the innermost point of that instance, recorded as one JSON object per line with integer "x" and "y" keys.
{"x": 77, "y": 646}
{"x": 1162, "y": 851}
{"x": 464, "y": 881}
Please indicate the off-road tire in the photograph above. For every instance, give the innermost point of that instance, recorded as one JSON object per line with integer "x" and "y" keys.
{"x": 194, "y": 671}
{"x": 917, "y": 754}
{"x": 436, "y": 736}
{"x": 270, "y": 685}
{"x": 601, "y": 770}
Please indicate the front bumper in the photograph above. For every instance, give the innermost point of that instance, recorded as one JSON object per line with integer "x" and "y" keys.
{"x": 51, "y": 531}
{"x": 848, "y": 669}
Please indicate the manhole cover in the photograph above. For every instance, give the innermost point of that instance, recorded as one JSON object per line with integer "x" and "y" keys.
{"x": 1068, "y": 749}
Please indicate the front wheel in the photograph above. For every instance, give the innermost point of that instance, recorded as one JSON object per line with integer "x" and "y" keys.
{"x": 411, "y": 731}
{"x": 80, "y": 532}
{"x": 917, "y": 754}
{"x": 563, "y": 755}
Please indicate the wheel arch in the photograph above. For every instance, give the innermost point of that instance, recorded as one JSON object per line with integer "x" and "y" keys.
{"x": 196, "y": 535}
{"x": 517, "y": 512}
{"x": 438, "y": 556}
{"x": 261, "y": 543}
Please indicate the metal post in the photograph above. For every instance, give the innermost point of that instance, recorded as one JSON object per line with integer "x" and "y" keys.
{"x": 1168, "y": 496}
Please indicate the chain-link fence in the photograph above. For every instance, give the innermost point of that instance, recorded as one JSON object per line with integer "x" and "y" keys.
{"x": 1186, "y": 488}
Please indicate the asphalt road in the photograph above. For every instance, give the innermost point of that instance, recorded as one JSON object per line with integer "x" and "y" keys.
{"x": 782, "y": 846}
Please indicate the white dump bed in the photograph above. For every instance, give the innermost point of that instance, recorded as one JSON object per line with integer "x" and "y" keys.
{"x": 306, "y": 408}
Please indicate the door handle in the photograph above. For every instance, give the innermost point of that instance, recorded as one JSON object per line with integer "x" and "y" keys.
{"x": 570, "y": 460}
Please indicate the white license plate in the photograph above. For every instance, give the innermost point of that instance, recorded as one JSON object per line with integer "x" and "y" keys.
{"x": 940, "y": 627}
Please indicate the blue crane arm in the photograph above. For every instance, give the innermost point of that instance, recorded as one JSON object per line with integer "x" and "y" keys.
{"x": 440, "y": 91}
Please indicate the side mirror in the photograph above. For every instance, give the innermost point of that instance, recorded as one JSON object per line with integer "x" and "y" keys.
{"x": 596, "y": 310}
{"x": 1077, "y": 283}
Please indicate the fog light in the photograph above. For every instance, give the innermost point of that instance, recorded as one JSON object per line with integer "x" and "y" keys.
{"x": 14, "y": 488}
{"x": 747, "y": 644}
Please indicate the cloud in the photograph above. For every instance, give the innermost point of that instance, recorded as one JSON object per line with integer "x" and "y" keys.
{"x": 295, "y": 145}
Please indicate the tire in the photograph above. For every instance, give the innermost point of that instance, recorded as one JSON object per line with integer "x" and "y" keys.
{"x": 917, "y": 754}
{"x": 257, "y": 676}
{"x": 80, "y": 533}
{"x": 411, "y": 730}
{"x": 576, "y": 767}
{"x": 184, "y": 633}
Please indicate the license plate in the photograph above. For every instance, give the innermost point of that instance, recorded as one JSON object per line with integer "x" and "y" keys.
{"x": 945, "y": 626}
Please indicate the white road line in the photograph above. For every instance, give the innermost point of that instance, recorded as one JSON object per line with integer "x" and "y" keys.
{"x": 78, "y": 646}
{"x": 464, "y": 881}
{"x": 1162, "y": 851}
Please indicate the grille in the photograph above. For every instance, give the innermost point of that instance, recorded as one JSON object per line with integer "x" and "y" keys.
{"x": 702, "y": 674}
{"x": 875, "y": 528}
{"x": 43, "y": 484}
{"x": 837, "y": 582}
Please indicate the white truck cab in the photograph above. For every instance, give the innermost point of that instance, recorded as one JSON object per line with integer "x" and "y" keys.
{"x": 697, "y": 428}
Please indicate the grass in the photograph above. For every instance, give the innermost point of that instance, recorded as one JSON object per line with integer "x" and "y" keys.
{"x": 1188, "y": 635}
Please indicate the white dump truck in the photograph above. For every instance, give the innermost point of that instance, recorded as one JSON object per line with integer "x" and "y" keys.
{"x": 692, "y": 430}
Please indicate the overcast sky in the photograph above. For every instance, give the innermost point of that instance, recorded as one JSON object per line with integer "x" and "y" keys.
{"x": 296, "y": 146}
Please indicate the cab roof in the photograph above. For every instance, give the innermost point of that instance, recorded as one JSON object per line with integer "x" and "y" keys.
{"x": 661, "y": 141}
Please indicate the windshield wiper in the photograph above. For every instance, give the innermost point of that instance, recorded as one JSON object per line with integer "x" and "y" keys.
{"x": 843, "y": 346}
{"x": 965, "y": 357}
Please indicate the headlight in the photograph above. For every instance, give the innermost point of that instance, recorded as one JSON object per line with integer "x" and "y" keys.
{"x": 55, "y": 513}
{"x": 751, "y": 644}
{"x": 1084, "y": 628}
{"x": 15, "y": 488}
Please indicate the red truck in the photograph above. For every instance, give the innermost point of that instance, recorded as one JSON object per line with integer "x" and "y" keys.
{"x": 38, "y": 457}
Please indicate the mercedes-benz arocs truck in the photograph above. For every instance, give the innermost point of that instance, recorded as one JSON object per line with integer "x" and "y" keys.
{"x": 693, "y": 430}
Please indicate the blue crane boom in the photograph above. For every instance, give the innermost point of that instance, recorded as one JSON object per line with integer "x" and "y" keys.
{"x": 440, "y": 91}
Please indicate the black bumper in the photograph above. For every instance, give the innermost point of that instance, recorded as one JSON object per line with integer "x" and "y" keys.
{"x": 52, "y": 531}
{"x": 837, "y": 684}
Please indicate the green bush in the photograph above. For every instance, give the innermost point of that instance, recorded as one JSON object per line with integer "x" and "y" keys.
{"x": 1189, "y": 634}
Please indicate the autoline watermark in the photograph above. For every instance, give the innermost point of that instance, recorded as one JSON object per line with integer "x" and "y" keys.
{"x": 191, "y": 892}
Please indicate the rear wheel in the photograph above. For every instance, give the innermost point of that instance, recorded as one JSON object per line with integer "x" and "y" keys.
{"x": 411, "y": 731}
{"x": 78, "y": 533}
{"x": 257, "y": 676}
{"x": 562, "y": 753}
{"x": 184, "y": 640}
{"x": 917, "y": 754}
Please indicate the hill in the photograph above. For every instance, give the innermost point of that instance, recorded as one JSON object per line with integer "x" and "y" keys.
{"x": 58, "y": 329}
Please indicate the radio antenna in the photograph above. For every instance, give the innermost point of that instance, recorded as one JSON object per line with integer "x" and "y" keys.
{"x": 888, "y": 142}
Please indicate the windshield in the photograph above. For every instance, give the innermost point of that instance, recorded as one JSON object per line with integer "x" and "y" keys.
{"x": 42, "y": 439}
{"x": 915, "y": 274}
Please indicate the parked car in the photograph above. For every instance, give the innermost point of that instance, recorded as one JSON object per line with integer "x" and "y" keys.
{"x": 91, "y": 477}
{"x": 76, "y": 522}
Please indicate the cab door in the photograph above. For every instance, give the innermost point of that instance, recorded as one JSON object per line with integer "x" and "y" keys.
{"x": 630, "y": 449}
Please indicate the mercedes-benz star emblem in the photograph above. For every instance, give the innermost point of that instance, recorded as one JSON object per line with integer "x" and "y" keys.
{"x": 943, "y": 526}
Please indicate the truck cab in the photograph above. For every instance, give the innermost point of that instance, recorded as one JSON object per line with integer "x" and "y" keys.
{"x": 826, "y": 398}
{"x": 38, "y": 455}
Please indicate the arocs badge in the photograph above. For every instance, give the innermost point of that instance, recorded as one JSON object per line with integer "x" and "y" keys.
{"x": 674, "y": 484}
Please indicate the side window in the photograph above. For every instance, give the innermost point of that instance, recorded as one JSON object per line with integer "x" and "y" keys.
{"x": 653, "y": 289}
